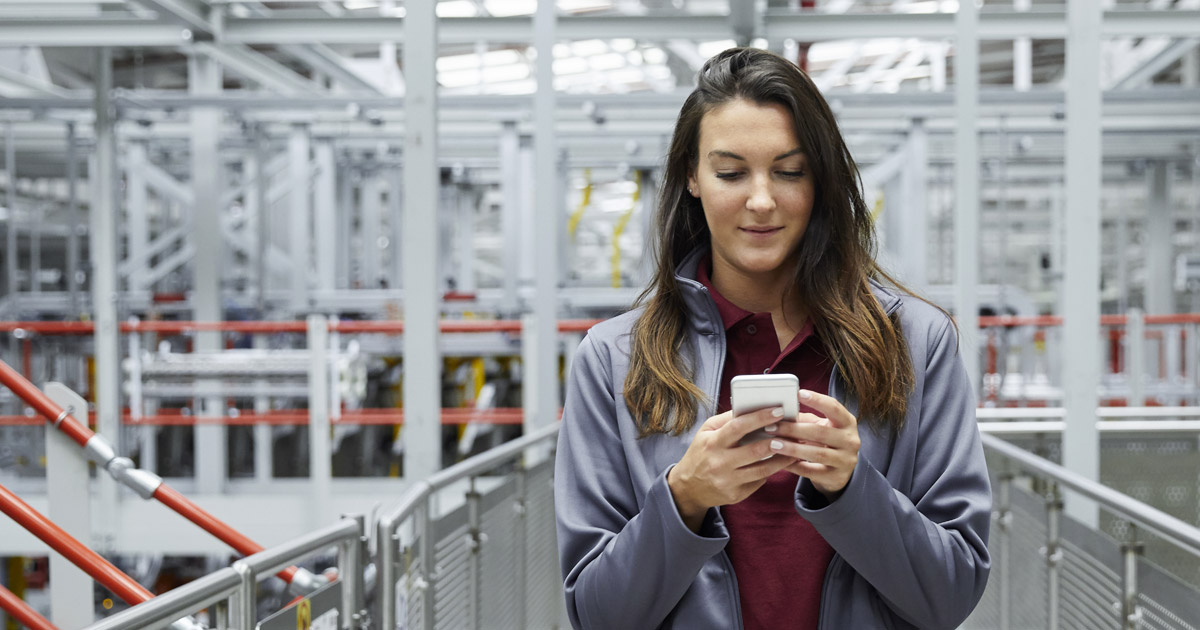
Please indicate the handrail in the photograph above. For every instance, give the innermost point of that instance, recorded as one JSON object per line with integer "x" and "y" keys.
{"x": 22, "y": 612}
{"x": 239, "y": 578}
{"x": 1178, "y": 532}
{"x": 420, "y": 491}
{"x": 77, "y": 553}
{"x": 196, "y": 594}
{"x": 1111, "y": 426}
{"x": 146, "y": 484}
{"x": 1030, "y": 413}
{"x": 395, "y": 327}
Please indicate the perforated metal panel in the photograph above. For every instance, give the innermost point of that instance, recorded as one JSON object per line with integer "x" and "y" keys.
{"x": 544, "y": 599}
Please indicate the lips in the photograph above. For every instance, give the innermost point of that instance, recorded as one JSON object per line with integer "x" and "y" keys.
{"x": 761, "y": 230}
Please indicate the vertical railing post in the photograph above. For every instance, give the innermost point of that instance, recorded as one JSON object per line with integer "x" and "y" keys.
{"x": 245, "y": 600}
{"x": 521, "y": 508}
{"x": 474, "y": 543}
{"x": 428, "y": 563}
{"x": 350, "y": 569}
{"x": 1131, "y": 551}
{"x": 386, "y": 541}
{"x": 1053, "y": 555}
{"x": 1004, "y": 522}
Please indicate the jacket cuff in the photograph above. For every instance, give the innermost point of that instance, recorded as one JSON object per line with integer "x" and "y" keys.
{"x": 819, "y": 511}
{"x": 713, "y": 535}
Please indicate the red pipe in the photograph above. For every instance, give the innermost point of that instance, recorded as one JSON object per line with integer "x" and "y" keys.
{"x": 91, "y": 562}
{"x": 41, "y": 403}
{"x": 81, "y": 434}
{"x": 22, "y": 612}
{"x": 183, "y": 506}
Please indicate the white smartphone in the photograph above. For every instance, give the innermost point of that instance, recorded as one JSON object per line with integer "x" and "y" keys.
{"x": 751, "y": 392}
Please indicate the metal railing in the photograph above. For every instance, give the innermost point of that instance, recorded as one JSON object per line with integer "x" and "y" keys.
{"x": 490, "y": 561}
{"x": 1085, "y": 580}
{"x": 230, "y": 593}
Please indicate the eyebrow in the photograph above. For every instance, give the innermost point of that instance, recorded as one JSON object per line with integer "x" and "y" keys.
{"x": 730, "y": 154}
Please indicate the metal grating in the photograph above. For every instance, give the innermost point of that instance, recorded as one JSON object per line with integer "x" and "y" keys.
{"x": 452, "y": 607}
{"x": 499, "y": 562}
{"x": 544, "y": 596}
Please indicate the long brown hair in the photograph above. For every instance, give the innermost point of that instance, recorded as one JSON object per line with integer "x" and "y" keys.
{"x": 833, "y": 268}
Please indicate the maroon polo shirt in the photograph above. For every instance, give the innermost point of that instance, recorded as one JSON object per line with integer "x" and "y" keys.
{"x": 778, "y": 557}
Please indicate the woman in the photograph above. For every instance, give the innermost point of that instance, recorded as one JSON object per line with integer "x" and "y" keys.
{"x": 871, "y": 509}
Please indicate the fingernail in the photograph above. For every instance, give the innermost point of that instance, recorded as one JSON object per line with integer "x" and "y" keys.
{"x": 776, "y": 445}
{"x": 777, "y": 412}
{"x": 805, "y": 394}
{"x": 770, "y": 428}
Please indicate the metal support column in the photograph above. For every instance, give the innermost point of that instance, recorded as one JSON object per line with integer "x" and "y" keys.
{"x": 320, "y": 469}
{"x": 205, "y": 81}
{"x": 70, "y": 508}
{"x": 137, "y": 220}
{"x": 370, "y": 228}
{"x": 103, "y": 251}
{"x": 541, "y": 379}
{"x": 1160, "y": 224}
{"x": 325, "y": 215}
{"x": 300, "y": 215}
{"x": 345, "y": 221}
{"x": 1081, "y": 281}
{"x": 1135, "y": 357}
{"x": 966, "y": 186}
{"x": 913, "y": 228}
{"x": 10, "y": 230}
{"x": 73, "y": 222}
{"x": 422, "y": 361}
{"x": 510, "y": 213}
{"x": 467, "y": 201}
{"x": 1022, "y": 54}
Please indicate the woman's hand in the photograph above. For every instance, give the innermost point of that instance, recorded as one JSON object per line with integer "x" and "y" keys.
{"x": 825, "y": 450}
{"x": 715, "y": 470}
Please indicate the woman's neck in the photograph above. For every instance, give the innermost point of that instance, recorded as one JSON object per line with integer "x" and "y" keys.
{"x": 762, "y": 294}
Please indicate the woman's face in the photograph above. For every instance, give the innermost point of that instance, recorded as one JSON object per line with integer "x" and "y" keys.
{"x": 754, "y": 185}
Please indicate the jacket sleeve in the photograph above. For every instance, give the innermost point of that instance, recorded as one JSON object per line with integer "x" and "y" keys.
{"x": 924, "y": 553}
{"x": 623, "y": 565}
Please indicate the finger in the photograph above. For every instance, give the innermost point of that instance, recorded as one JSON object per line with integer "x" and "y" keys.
{"x": 815, "y": 433}
{"x": 809, "y": 470}
{"x": 762, "y": 469}
{"x": 809, "y": 452}
{"x": 716, "y": 422}
{"x": 734, "y": 430}
{"x": 749, "y": 453}
{"x": 829, "y": 406}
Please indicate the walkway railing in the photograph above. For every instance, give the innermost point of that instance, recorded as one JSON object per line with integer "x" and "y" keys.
{"x": 230, "y": 593}
{"x": 1082, "y": 578}
{"x": 488, "y": 559}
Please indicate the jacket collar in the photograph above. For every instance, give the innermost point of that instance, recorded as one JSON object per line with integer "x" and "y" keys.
{"x": 702, "y": 310}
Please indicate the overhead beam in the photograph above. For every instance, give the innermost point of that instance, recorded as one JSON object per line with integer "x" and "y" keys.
{"x": 258, "y": 67}
{"x": 1145, "y": 72}
{"x": 776, "y": 26}
{"x": 324, "y": 59}
{"x": 190, "y": 14}
{"x": 13, "y": 83}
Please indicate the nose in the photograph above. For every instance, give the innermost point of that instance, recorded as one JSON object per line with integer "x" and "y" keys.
{"x": 762, "y": 198}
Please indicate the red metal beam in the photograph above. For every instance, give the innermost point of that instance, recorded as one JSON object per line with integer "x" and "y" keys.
{"x": 392, "y": 327}
{"x": 79, "y": 554}
{"x": 22, "y": 612}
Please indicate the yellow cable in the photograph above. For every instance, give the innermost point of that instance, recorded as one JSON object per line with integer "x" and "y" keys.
{"x": 878, "y": 209}
{"x": 620, "y": 228}
{"x": 573, "y": 222}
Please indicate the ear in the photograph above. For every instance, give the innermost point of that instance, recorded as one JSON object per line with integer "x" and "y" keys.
{"x": 693, "y": 185}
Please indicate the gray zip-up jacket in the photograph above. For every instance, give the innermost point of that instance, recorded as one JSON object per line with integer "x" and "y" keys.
{"x": 909, "y": 532}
